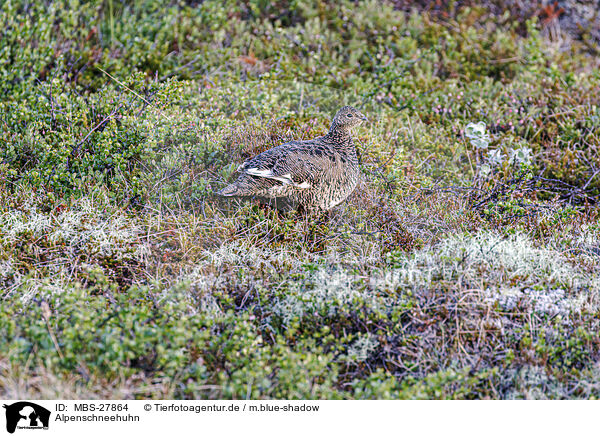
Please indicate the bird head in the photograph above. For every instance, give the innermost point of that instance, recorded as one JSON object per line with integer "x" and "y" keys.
{"x": 347, "y": 118}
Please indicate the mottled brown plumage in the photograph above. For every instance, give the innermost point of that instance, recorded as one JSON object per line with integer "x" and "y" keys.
{"x": 317, "y": 174}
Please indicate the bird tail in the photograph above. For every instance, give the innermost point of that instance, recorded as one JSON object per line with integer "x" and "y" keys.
{"x": 230, "y": 191}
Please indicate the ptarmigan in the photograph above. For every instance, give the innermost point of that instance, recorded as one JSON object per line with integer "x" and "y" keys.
{"x": 318, "y": 174}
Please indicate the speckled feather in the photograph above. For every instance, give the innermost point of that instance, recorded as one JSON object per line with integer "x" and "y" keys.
{"x": 319, "y": 173}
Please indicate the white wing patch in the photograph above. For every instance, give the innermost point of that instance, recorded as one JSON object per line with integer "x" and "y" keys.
{"x": 286, "y": 179}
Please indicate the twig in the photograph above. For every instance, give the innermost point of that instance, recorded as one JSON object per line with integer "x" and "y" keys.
{"x": 75, "y": 149}
{"x": 46, "y": 315}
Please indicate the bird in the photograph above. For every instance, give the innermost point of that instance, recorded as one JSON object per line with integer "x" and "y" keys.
{"x": 316, "y": 174}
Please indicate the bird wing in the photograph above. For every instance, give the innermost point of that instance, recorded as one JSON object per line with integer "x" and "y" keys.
{"x": 289, "y": 163}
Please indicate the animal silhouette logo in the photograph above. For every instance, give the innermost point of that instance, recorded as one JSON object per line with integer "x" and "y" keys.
{"x": 26, "y": 415}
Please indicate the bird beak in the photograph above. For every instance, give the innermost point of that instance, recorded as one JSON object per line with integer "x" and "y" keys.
{"x": 362, "y": 117}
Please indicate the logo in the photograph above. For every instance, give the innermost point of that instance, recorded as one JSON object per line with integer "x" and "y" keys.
{"x": 26, "y": 415}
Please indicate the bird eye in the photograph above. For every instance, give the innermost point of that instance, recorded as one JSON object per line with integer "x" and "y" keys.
{"x": 349, "y": 115}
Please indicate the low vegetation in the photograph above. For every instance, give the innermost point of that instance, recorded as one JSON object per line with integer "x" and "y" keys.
{"x": 465, "y": 265}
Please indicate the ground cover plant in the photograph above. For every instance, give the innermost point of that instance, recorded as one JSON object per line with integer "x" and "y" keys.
{"x": 465, "y": 265}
